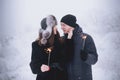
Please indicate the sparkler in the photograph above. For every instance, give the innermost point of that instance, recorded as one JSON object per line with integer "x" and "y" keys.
{"x": 83, "y": 37}
{"x": 48, "y": 51}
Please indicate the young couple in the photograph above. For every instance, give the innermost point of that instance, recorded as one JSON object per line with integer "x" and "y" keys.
{"x": 63, "y": 58}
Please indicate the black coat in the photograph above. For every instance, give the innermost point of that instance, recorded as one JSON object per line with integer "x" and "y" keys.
{"x": 39, "y": 57}
{"x": 79, "y": 61}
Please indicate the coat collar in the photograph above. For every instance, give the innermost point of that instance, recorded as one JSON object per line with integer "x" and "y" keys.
{"x": 77, "y": 30}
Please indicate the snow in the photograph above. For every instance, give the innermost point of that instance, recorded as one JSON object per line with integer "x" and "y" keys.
{"x": 20, "y": 22}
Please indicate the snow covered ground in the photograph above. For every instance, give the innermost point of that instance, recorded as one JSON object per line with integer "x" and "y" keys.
{"x": 20, "y": 21}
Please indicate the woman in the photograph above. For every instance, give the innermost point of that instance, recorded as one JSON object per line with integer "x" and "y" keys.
{"x": 46, "y": 59}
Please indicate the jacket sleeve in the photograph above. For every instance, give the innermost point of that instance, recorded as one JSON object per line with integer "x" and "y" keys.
{"x": 91, "y": 51}
{"x": 35, "y": 60}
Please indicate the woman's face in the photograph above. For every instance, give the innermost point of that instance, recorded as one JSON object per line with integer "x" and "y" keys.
{"x": 55, "y": 30}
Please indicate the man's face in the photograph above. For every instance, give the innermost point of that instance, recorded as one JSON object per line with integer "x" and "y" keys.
{"x": 66, "y": 28}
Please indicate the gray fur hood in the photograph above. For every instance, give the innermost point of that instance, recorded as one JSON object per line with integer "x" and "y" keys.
{"x": 50, "y": 22}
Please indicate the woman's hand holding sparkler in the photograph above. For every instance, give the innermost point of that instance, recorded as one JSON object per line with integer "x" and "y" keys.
{"x": 45, "y": 68}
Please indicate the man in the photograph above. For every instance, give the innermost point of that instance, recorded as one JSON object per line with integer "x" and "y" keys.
{"x": 79, "y": 49}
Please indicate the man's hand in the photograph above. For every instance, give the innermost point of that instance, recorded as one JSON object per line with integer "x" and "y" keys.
{"x": 45, "y": 68}
{"x": 70, "y": 34}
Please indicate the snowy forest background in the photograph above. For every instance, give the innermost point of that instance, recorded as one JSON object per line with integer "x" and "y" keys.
{"x": 20, "y": 21}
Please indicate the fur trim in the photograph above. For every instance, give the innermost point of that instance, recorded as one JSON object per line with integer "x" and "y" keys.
{"x": 46, "y": 34}
{"x": 43, "y": 41}
{"x": 41, "y": 30}
{"x": 51, "y": 22}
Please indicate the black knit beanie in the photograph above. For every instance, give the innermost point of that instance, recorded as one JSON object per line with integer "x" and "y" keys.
{"x": 69, "y": 20}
